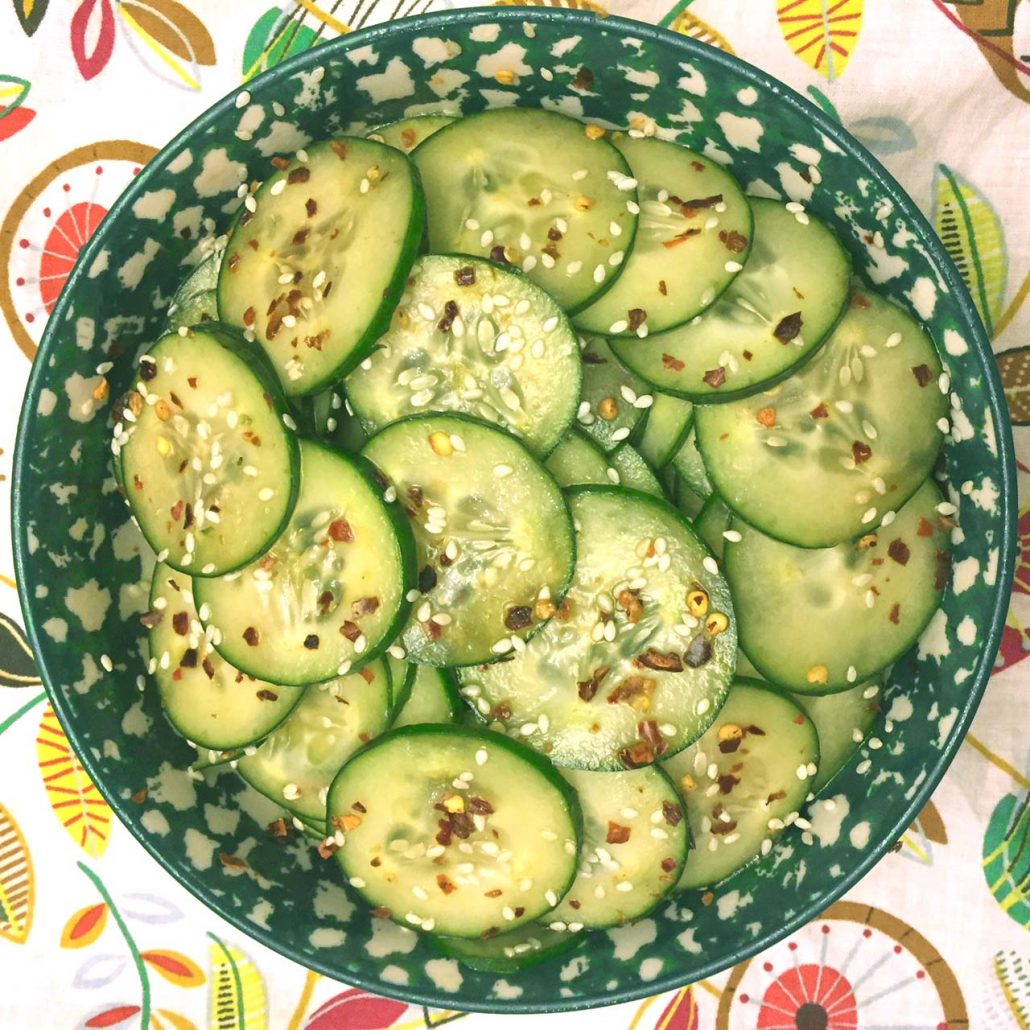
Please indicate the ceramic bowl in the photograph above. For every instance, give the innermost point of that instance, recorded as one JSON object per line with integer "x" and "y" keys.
{"x": 83, "y": 575}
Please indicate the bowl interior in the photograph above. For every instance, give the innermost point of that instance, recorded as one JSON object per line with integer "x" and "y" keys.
{"x": 83, "y": 568}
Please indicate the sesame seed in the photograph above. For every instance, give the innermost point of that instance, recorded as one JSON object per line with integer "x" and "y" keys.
{"x": 946, "y": 508}
{"x": 732, "y": 536}
{"x": 699, "y": 709}
{"x": 617, "y": 258}
{"x": 291, "y": 792}
{"x": 733, "y": 266}
{"x": 624, "y": 886}
{"x": 599, "y": 274}
{"x": 852, "y": 674}
{"x": 863, "y": 767}
{"x": 868, "y": 516}
{"x": 251, "y": 205}
{"x": 613, "y": 476}
{"x": 875, "y": 743}
{"x": 888, "y": 518}
{"x": 106, "y": 662}
{"x": 711, "y": 565}
{"x": 289, "y": 423}
{"x": 802, "y": 772}
{"x": 645, "y": 400}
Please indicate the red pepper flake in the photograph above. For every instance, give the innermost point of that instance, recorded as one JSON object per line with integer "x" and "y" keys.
{"x": 249, "y": 316}
{"x": 267, "y": 695}
{"x": 181, "y": 623}
{"x": 777, "y": 795}
{"x": 301, "y": 174}
{"x": 588, "y": 688}
{"x": 209, "y": 668}
{"x": 925, "y": 527}
{"x": 617, "y": 834}
{"x": 680, "y": 238}
{"x": 591, "y": 357}
{"x": 444, "y": 882}
{"x": 495, "y": 893}
{"x": 300, "y": 237}
{"x": 311, "y": 641}
{"x": 518, "y": 617}
{"x": 733, "y": 241}
{"x": 192, "y": 380}
{"x": 137, "y": 482}
{"x": 139, "y": 797}
{"x": 630, "y": 603}
{"x": 584, "y": 79}
{"x": 551, "y": 251}
{"x": 480, "y": 806}
{"x": 231, "y": 861}
{"x": 327, "y": 848}
{"x": 280, "y": 162}
{"x": 923, "y": 374}
{"x": 747, "y": 355}
{"x": 502, "y": 713}
{"x": 697, "y": 166}
{"x": 635, "y": 691}
{"x": 861, "y": 452}
{"x": 715, "y": 377}
{"x": 652, "y": 659}
{"x": 637, "y": 755}
{"x": 364, "y": 606}
{"x": 726, "y": 783}
{"x": 499, "y": 254}
{"x": 663, "y": 289}
{"x": 820, "y": 411}
{"x": 693, "y": 206}
{"x": 720, "y": 827}
{"x": 895, "y": 614}
{"x": 351, "y": 630}
{"x": 554, "y": 233}
{"x": 189, "y": 659}
{"x": 636, "y": 318}
{"x": 672, "y": 364}
{"x": 766, "y": 417}
{"x": 788, "y": 327}
{"x": 368, "y": 675}
{"x": 450, "y": 313}
{"x": 650, "y": 733}
{"x": 381, "y": 912}
{"x": 251, "y": 636}
{"x": 943, "y": 569}
{"x": 151, "y": 619}
{"x": 899, "y": 551}
{"x": 280, "y": 829}
{"x": 311, "y": 207}
{"x": 668, "y": 864}
{"x": 465, "y": 276}
{"x": 756, "y": 730}
{"x": 340, "y": 531}
{"x": 234, "y": 261}
{"x": 672, "y": 813}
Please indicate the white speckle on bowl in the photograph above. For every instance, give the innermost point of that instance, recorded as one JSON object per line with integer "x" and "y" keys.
{"x": 986, "y": 497}
{"x": 324, "y": 937}
{"x": 332, "y": 903}
{"x": 47, "y": 402}
{"x": 89, "y": 603}
{"x": 693, "y": 82}
{"x": 310, "y": 88}
{"x": 688, "y": 942}
{"x": 805, "y": 154}
{"x": 133, "y": 598}
{"x": 90, "y": 674}
{"x": 827, "y": 819}
{"x": 628, "y": 940}
{"x": 79, "y": 390}
{"x": 180, "y": 162}
{"x": 570, "y": 105}
{"x": 924, "y": 297}
{"x": 445, "y": 973}
{"x": 153, "y": 821}
{"x": 136, "y": 722}
{"x": 446, "y": 81}
{"x": 485, "y": 33}
{"x": 689, "y": 112}
{"x": 961, "y": 427}
{"x": 433, "y": 50}
{"x": 252, "y": 119}
{"x": 77, "y": 530}
{"x": 934, "y": 641}
{"x": 188, "y": 218}
{"x": 172, "y": 786}
{"x": 964, "y": 573}
{"x": 396, "y": 975}
{"x": 218, "y": 174}
{"x": 880, "y": 265}
{"x": 729, "y": 904}
{"x": 99, "y": 265}
{"x": 64, "y": 492}
{"x": 742, "y": 132}
{"x": 506, "y": 991}
{"x": 260, "y": 912}
{"x": 760, "y": 188}
{"x": 713, "y": 151}
{"x": 794, "y": 184}
{"x": 363, "y": 55}
{"x": 574, "y": 968}
{"x": 564, "y": 46}
{"x": 130, "y": 275}
{"x": 154, "y": 205}
{"x": 281, "y": 138}
{"x": 954, "y": 344}
{"x": 392, "y": 84}
{"x": 389, "y": 938}
{"x": 901, "y": 709}
{"x": 499, "y": 97}
{"x": 56, "y": 629}
{"x": 649, "y": 79}
{"x": 85, "y": 332}
{"x": 915, "y": 784}
{"x": 42, "y": 590}
{"x": 200, "y": 850}
{"x": 650, "y": 968}
{"x": 945, "y": 724}
{"x": 989, "y": 436}
{"x": 991, "y": 572}
{"x": 221, "y": 820}
{"x": 508, "y": 59}
{"x": 747, "y": 96}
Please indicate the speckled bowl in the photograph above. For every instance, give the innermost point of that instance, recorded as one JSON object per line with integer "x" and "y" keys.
{"x": 82, "y": 573}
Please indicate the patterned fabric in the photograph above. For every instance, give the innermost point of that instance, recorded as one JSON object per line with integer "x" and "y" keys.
{"x": 94, "y": 934}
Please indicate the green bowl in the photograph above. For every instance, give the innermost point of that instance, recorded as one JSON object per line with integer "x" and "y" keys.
{"x": 83, "y": 578}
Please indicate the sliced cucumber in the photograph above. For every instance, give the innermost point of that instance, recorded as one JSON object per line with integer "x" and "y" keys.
{"x": 713, "y": 522}
{"x": 633, "y": 471}
{"x": 317, "y": 261}
{"x": 196, "y": 300}
{"x": 433, "y": 698}
{"x": 614, "y": 402}
{"x": 693, "y": 238}
{"x": 493, "y": 534}
{"x": 194, "y": 311}
{"x": 827, "y": 453}
{"x": 208, "y": 465}
{"x": 773, "y": 316}
{"x": 667, "y": 426}
{"x": 205, "y": 698}
{"x": 330, "y": 592}
{"x": 456, "y": 830}
{"x": 743, "y": 780}
{"x": 473, "y": 337}
{"x": 817, "y": 621}
{"x": 402, "y": 678}
{"x": 577, "y": 460}
{"x": 635, "y": 841}
{"x": 690, "y": 468}
{"x": 842, "y": 722}
{"x": 509, "y": 952}
{"x": 297, "y": 762}
{"x": 537, "y": 189}
{"x": 688, "y": 502}
{"x": 637, "y": 660}
{"x": 408, "y": 133}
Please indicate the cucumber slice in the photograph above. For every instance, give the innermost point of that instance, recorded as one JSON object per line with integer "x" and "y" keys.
{"x": 316, "y": 263}
{"x": 205, "y": 698}
{"x": 690, "y": 468}
{"x": 712, "y": 523}
{"x": 614, "y": 402}
{"x": 297, "y": 762}
{"x": 196, "y": 300}
{"x": 577, "y": 460}
{"x": 693, "y": 238}
{"x": 743, "y": 780}
{"x": 842, "y": 723}
{"x": 667, "y": 426}
{"x": 541, "y": 190}
{"x": 509, "y": 952}
{"x": 433, "y": 698}
{"x": 402, "y": 678}
{"x": 471, "y": 336}
{"x": 633, "y": 471}
{"x": 330, "y": 592}
{"x": 208, "y": 758}
{"x": 635, "y": 841}
{"x": 492, "y": 531}
{"x": 773, "y": 316}
{"x": 194, "y": 311}
{"x": 817, "y": 621}
{"x": 625, "y": 672}
{"x": 826, "y": 454}
{"x": 208, "y": 465}
{"x": 407, "y": 133}
{"x": 456, "y": 830}
{"x": 688, "y": 502}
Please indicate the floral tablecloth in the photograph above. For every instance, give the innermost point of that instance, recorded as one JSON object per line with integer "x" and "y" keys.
{"x": 93, "y": 932}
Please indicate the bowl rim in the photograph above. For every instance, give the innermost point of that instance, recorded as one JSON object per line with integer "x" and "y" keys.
{"x": 967, "y": 317}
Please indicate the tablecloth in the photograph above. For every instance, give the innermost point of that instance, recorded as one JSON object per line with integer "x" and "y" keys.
{"x": 92, "y": 931}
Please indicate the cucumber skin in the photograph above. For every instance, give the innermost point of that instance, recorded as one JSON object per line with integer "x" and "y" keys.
{"x": 417, "y": 235}
{"x": 232, "y": 340}
{"x": 449, "y": 948}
